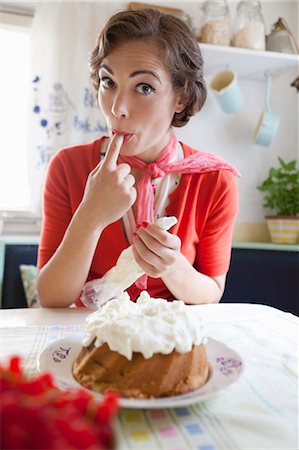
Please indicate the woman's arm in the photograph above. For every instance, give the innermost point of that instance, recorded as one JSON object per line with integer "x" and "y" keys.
{"x": 61, "y": 280}
{"x": 108, "y": 194}
{"x": 158, "y": 253}
{"x": 191, "y": 286}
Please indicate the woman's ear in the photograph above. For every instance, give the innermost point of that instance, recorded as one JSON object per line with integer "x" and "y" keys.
{"x": 181, "y": 103}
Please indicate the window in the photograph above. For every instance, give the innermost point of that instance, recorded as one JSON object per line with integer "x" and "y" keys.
{"x": 14, "y": 112}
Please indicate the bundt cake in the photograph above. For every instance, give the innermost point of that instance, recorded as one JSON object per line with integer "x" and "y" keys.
{"x": 148, "y": 349}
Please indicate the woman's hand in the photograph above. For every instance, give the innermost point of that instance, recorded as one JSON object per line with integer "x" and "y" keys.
{"x": 109, "y": 191}
{"x": 155, "y": 250}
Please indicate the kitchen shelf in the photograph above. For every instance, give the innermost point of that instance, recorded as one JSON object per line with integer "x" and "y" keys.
{"x": 248, "y": 64}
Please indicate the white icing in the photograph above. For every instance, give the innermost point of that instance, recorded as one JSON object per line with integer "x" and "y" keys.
{"x": 151, "y": 325}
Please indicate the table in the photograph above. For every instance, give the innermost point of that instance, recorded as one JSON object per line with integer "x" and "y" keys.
{"x": 259, "y": 411}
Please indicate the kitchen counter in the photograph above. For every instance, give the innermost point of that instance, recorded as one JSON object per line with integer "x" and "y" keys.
{"x": 266, "y": 246}
{"x": 23, "y": 239}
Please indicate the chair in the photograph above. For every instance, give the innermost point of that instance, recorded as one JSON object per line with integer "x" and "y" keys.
{"x": 13, "y": 295}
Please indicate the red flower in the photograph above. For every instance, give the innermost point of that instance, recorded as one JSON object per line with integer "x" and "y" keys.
{"x": 37, "y": 415}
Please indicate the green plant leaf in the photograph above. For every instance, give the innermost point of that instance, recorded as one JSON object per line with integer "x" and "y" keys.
{"x": 281, "y": 188}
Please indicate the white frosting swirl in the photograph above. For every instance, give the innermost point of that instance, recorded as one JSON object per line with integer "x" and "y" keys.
{"x": 151, "y": 325}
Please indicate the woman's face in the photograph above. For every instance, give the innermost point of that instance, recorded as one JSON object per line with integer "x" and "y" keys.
{"x": 137, "y": 98}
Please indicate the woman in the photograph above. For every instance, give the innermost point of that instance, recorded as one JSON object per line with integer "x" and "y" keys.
{"x": 101, "y": 197}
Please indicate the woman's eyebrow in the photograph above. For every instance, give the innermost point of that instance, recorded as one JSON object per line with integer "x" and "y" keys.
{"x": 141, "y": 72}
{"x": 104, "y": 66}
{"x": 133, "y": 74}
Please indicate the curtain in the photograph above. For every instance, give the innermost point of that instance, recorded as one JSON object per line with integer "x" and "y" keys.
{"x": 63, "y": 109}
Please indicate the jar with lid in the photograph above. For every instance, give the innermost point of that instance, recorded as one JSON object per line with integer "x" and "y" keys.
{"x": 249, "y": 26}
{"x": 216, "y": 23}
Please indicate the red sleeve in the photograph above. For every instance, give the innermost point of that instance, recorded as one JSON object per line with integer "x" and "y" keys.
{"x": 214, "y": 247}
{"x": 57, "y": 212}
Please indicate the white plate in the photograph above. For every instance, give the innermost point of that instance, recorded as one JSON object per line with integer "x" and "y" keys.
{"x": 225, "y": 363}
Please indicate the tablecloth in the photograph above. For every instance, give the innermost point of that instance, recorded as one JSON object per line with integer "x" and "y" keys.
{"x": 259, "y": 411}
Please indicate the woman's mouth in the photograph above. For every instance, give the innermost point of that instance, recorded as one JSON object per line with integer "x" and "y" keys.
{"x": 127, "y": 136}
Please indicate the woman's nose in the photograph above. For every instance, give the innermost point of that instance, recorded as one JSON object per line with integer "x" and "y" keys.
{"x": 120, "y": 106}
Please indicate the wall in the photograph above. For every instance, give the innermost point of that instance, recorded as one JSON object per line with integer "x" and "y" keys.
{"x": 231, "y": 135}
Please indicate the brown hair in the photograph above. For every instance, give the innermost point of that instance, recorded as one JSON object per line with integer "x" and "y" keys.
{"x": 180, "y": 49}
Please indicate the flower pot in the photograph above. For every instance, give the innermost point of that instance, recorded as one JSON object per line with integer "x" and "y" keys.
{"x": 283, "y": 229}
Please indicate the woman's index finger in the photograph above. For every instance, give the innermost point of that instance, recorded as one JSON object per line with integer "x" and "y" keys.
{"x": 113, "y": 150}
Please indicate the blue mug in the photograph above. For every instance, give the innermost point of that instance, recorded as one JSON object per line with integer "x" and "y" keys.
{"x": 227, "y": 91}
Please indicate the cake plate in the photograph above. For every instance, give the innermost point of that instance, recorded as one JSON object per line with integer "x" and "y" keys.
{"x": 226, "y": 366}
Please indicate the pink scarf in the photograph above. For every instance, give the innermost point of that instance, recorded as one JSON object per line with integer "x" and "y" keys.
{"x": 199, "y": 162}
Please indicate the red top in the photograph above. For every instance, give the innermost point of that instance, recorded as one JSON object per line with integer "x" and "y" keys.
{"x": 205, "y": 205}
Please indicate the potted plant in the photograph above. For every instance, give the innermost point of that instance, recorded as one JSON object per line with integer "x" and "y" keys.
{"x": 281, "y": 194}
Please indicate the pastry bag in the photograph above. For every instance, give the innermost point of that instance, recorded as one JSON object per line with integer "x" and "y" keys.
{"x": 120, "y": 277}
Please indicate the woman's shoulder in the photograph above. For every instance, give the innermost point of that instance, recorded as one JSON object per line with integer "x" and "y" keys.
{"x": 76, "y": 159}
{"x": 187, "y": 150}
{"x": 221, "y": 175}
{"x": 81, "y": 151}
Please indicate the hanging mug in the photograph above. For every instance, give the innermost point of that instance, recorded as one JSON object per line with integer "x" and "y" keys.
{"x": 227, "y": 91}
{"x": 268, "y": 122}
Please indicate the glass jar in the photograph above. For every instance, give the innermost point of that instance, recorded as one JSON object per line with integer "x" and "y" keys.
{"x": 281, "y": 38}
{"x": 216, "y": 23}
{"x": 249, "y": 26}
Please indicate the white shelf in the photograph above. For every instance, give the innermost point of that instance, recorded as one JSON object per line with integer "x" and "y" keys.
{"x": 248, "y": 64}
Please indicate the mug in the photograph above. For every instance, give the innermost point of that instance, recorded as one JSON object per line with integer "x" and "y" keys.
{"x": 227, "y": 91}
{"x": 268, "y": 122}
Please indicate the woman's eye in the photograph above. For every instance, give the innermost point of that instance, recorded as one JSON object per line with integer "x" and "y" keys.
{"x": 106, "y": 82}
{"x": 144, "y": 88}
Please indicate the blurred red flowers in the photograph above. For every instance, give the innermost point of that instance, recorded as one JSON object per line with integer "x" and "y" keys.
{"x": 37, "y": 415}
